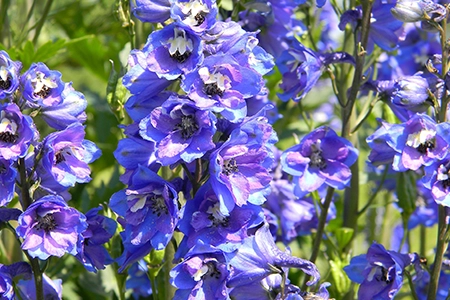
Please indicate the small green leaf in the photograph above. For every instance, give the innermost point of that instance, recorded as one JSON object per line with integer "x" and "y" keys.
{"x": 341, "y": 281}
{"x": 343, "y": 236}
{"x": 406, "y": 192}
{"x": 48, "y": 50}
{"x": 226, "y": 5}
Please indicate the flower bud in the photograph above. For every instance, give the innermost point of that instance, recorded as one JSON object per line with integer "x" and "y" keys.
{"x": 408, "y": 11}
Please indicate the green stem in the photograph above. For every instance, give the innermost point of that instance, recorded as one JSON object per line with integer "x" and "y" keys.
{"x": 423, "y": 239}
{"x": 374, "y": 194}
{"x": 411, "y": 285}
{"x": 440, "y": 249}
{"x": 320, "y": 228}
{"x": 169, "y": 254}
{"x": 41, "y": 21}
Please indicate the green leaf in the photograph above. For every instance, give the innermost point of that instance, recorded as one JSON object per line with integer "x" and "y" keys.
{"x": 341, "y": 281}
{"x": 226, "y": 4}
{"x": 406, "y": 192}
{"x": 27, "y": 55}
{"x": 116, "y": 94}
{"x": 343, "y": 236}
{"x": 48, "y": 50}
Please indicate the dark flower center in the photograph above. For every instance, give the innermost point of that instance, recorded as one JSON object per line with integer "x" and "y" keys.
{"x": 158, "y": 205}
{"x": 384, "y": 276}
{"x": 200, "y": 18}
{"x": 43, "y": 93}
{"x": 212, "y": 89}
{"x": 212, "y": 270}
{"x": 216, "y": 217}
{"x": 181, "y": 58}
{"x": 424, "y": 147}
{"x": 229, "y": 167}
{"x": 187, "y": 126}
{"x": 316, "y": 158}
{"x": 46, "y": 223}
{"x": 59, "y": 157}
{"x": 5, "y": 84}
{"x": 8, "y": 137}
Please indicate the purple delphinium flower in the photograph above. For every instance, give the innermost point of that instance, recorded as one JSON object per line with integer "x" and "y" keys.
{"x": 7, "y": 273}
{"x": 172, "y": 51}
{"x": 202, "y": 220}
{"x": 9, "y": 75}
{"x": 138, "y": 280}
{"x": 52, "y": 288}
{"x": 322, "y": 157}
{"x": 240, "y": 167}
{"x": 99, "y": 231}
{"x": 203, "y": 274}
{"x": 180, "y": 130}
{"x": 221, "y": 84}
{"x": 437, "y": 180}
{"x": 154, "y": 11}
{"x": 49, "y": 227}
{"x": 381, "y": 152}
{"x": 65, "y": 158}
{"x": 41, "y": 86}
{"x": 385, "y": 30}
{"x": 17, "y": 132}
{"x": 199, "y": 15}
{"x": 380, "y": 272}
{"x": 149, "y": 207}
{"x": 8, "y": 175}
{"x": 258, "y": 257}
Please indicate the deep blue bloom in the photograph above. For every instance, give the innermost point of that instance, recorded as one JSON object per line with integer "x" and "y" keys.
{"x": 154, "y": 11}
{"x": 65, "y": 158}
{"x": 49, "y": 227}
{"x": 203, "y": 274}
{"x": 202, "y": 220}
{"x": 380, "y": 141}
{"x": 240, "y": 167}
{"x": 9, "y": 75}
{"x": 138, "y": 107}
{"x": 380, "y": 272}
{"x": 149, "y": 207}
{"x": 7, "y": 273}
{"x": 322, "y": 157}
{"x": 258, "y": 257}
{"x": 52, "y": 288}
{"x": 99, "y": 231}
{"x": 222, "y": 84}
{"x": 199, "y": 15}
{"x": 8, "y": 175}
{"x": 180, "y": 130}
{"x": 138, "y": 280}
{"x": 172, "y": 51}
{"x": 17, "y": 132}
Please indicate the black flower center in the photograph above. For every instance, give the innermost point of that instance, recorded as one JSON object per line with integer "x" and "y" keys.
{"x": 212, "y": 89}
{"x": 8, "y": 137}
{"x": 213, "y": 271}
{"x": 5, "y": 84}
{"x": 200, "y": 18}
{"x": 424, "y": 147}
{"x": 187, "y": 126}
{"x": 59, "y": 157}
{"x": 316, "y": 158}
{"x": 46, "y": 223}
{"x": 229, "y": 167}
{"x": 43, "y": 93}
{"x": 224, "y": 222}
{"x": 158, "y": 205}
{"x": 384, "y": 276}
{"x": 181, "y": 58}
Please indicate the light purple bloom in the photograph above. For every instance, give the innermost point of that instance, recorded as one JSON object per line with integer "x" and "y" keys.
{"x": 199, "y": 15}
{"x": 17, "y": 132}
{"x": 322, "y": 157}
{"x": 180, "y": 130}
{"x": 7, "y": 274}
{"x": 437, "y": 180}
{"x": 9, "y": 75}
{"x": 65, "y": 158}
{"x": 49, "y": 227}
{"x": 418, "y": 10}
{"x": 154, "y": 11}
{"x": 52, "y": 288}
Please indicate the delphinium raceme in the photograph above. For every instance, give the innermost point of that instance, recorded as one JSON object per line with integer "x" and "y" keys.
{"x": 43, "y": 153}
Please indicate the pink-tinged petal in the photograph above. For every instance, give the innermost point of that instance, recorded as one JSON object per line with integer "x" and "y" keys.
{"x": 411, "y": 158}
{"x": 239, "y": 188}
{"x": 310, "y": 181}
{"x": 32, "y": 241}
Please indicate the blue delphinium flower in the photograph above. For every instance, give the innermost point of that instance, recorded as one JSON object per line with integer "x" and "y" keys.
{"x": 49, "y": 227}
{"x": 203, "y": 274}
{"x": 9, "y": 75}
{"x": 17, "y": 132}
{"x": 180, "y": 130}
{"x": 8, "y": 175}
{"x": 437, "y": 180}
{"x": 322, "y": 157}
{"x": 7, "y": 273}
{"x": 99, "y": 231}
{"x": 149, "y": 208}
{"x": 65, "y": 158}
{"x": 381, "y": 152}
{"x": 199, "y": 15}
{"x": 418, "y": 10}
{"x": 154, "y": 11}
{"x": 380, "y": 272}
{"x": 173, "y": 51}
{"x": 239, "y": 168}
{"x": 258, "y": 257}
{"x": 222, "y": 84}
{"x": 138, "y": 280}
{"x": 202, "y": 220}
{"x": 52, "y": 288}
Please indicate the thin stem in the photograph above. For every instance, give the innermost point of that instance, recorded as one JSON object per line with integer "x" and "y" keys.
{"x": 41, "y": 21}
{"x": 440, "y": 249}
{"x": 320, "y": 228}
{"x": 423, "y": 237}
{"x": 411, "y": 285}
{"x": 25, "y": 199}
